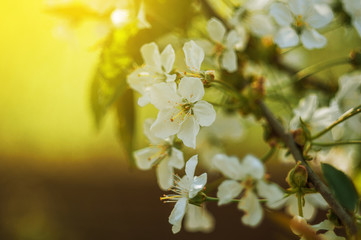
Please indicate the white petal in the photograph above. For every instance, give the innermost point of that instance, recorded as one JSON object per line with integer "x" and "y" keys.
{"x": 319, "y": 16}
{"x": 298, "y": 7}
{"x": 167, "y": 124}
{"x": 194, "y": 56}
{"x": 151, "y": 56}
{"x": 191, "y": 88}
{"x": 281, "y": 14}
{"x": 228, "y": 190}
{"x": 191, "y": 167}
{"x": 198, "y": 219}
{"x": 144, "y": 100}
{"x": 286, "y": 37}
{"x": 324, "y": 225}
{"x": 150, "y": 135}
{"x": 316, "y": 200}
{"x": 204, "y": 113}
{"x": 330, "y": 235}
{"x": 252, "y": 166}
{"x": 252, "y": 208}
{"x": 176, "y": 227}
{"x": 164, "y": 95}
{"x": 189, "y": 131}
{"x": 312, "y": 39}
{"x": 357, "y": 24}
{"x": 229, "y": 61}
{"x": 253, "y": 5}
{"x": 142, "y": 21}
{"x": 178, "y": 212}
{"x": 170, "y": 78}
{"x": 164, "y": 175}
{"x": 168, "y": 58}
{"x": 144, "y": 158}
{"x": 272, "y": 192}
{"x": 197, "y": 185}
{"x": 237, "y": 39}
{"x": 229, "y": 166}
{"x": 216, "y": 30}
{"x": 176, "y": 159}
{"x": 261, "y": 25}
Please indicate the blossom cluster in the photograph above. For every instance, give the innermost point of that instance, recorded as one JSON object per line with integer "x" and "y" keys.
{"x": 187, "y": 117}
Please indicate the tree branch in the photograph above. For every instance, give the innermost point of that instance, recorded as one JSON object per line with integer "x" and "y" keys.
{"x": 287, "y": 138}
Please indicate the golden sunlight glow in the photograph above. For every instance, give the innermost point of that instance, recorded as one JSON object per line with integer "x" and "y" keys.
{"x": 119, "y": 17}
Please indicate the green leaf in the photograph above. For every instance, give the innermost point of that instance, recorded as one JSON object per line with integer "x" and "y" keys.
{"x": 342, "y": 186}
{"x": 126, "y": 123}
{"x": 109, "y": 80}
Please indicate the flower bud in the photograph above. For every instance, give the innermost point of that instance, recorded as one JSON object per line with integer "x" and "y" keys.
{"x": 355, "y": 58}
{"x": 297, "y": 177}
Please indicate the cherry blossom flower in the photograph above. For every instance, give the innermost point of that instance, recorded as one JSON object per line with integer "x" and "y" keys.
{"x": 353, "y": 7}
{"x": 161, "y": 153}
{"x": 185, "y": 189}
{"x": 181, "y": 111}
{"x": 156, "y": 70}
{"x": 226, "y": 44}
{"x": 316, "y": 118}
{"x": 252, "y": 16}
{"x": 247, "y": 177}
{"x": 298, "y": 21}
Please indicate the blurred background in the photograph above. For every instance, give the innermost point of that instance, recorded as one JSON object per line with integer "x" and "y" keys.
{"x": 61, "y": 177}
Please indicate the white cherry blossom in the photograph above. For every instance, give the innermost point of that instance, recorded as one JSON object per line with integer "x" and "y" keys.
{"x": 156, "y": 70}
{"x": 316, "y": 118}
{"x": 247, "y": 177}
{"x": 252, "y": 16}
{"x": 181, "y": 111}
{"x": 162, "y": 154}
{"x": 184, "y": 190}
{"x": 298, "y": 21}
{"x": 226, "y": 44}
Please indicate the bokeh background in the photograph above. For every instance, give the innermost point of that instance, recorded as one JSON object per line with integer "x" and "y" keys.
{"x": 60, "y": 176}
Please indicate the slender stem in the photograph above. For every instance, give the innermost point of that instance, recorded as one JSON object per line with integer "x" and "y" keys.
{"x": 287, "y": 138}
{"x": 299, "y": 203}
{"x": 330, "y": 144}
{"x": 228, "y": 88}
{"x": 346, "y": 115}
{"x": 308, "y": 71}
{"x": 224, "y": 105}
{"x": 214, "y": 199}
{"x": 268, "y": 155}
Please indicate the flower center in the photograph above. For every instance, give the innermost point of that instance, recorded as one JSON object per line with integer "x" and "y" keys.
{"x": 164, "y": 151}
{"x": 185, "y": 109}
{"x": 218, "y": 49}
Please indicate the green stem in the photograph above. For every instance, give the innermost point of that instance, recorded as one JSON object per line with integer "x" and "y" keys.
{"x": 308, "y": 71}
{"x": 227, "y": 106}
{"x": 269, "y": 154}
{"x": 299, "y": 202}
{"x": 345, "y": 116}
{"x": 228, "y": 88}
{"x": 330, "y": 144}
{"x": 214, "y": 199}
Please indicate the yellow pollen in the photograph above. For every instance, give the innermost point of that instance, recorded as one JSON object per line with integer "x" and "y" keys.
{"x": 178, "y": 114}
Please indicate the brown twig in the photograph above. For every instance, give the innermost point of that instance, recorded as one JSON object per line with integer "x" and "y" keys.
{"x": 287, "y": 138}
